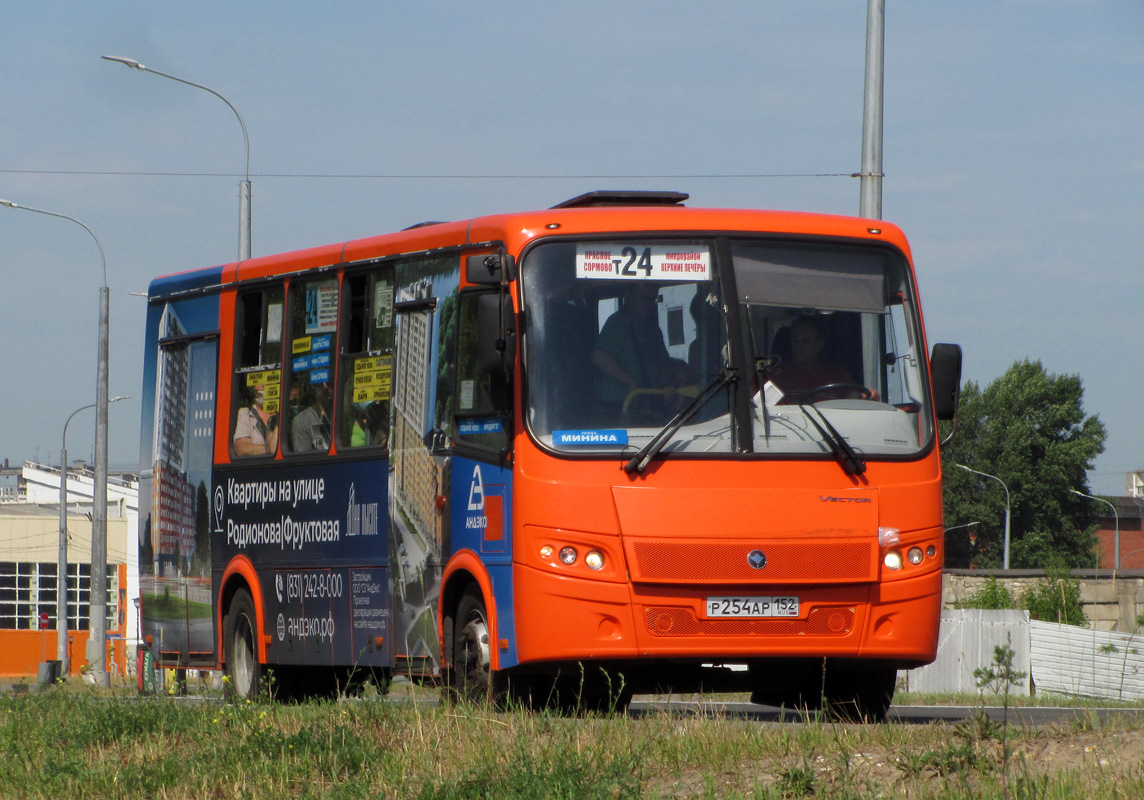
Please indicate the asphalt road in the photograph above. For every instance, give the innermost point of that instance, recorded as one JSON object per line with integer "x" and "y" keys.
{"x": 1028, "y": 716}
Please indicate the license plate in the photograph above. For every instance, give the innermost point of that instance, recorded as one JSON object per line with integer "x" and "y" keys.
{"x": 752, "y": 606}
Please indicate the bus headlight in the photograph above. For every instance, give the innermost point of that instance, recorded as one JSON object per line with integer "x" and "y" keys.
{"x": 914, "y": 555}
{"x": 568, "y": 555}
{"x": 893, "y": 560}
{"x": 594, "y": 559}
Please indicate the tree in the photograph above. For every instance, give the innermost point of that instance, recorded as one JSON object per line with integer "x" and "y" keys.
{"x": 202, "y": 558}
{"x": 1029, "y": 429}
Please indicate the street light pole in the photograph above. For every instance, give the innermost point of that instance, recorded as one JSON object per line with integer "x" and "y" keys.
{"x": 1005, "y": 559}
{"x": 244, "y": 187}
{"x": 97, "y": 649}
{"x": 1116, "y": 518}
{"x": 62, "y": 564}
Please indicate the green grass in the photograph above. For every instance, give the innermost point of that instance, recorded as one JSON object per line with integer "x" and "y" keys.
{"x": 82, "y": 744}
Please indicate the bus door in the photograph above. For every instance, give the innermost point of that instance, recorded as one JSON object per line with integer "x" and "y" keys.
{"x": 481, "y": 498}
{"x": 418, "y": 477}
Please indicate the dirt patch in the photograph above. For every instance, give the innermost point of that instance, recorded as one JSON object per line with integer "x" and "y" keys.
{"x": 886, "y": 770}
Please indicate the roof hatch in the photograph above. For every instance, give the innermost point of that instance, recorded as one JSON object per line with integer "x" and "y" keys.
{"x": 611, "y": 197}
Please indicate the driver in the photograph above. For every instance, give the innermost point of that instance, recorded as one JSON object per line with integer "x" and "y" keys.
{"x": 630, "y": 352}
{"x": 805, "y": 370}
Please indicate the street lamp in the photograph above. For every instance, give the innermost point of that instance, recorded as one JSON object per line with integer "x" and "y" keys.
{"x": 1005, "y": 559}
{"x": 244, "y": 191}
{"x": 1116, "y": 518}
{"x": 62, "y": 564}
{"x": 98, "y": 617}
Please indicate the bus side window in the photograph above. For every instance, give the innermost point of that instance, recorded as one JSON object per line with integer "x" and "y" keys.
{"x": 309, "y": 413}
{"x": 482, "y": 395}
{"x": 258, "y": 372}
{"x": 367, "y": 358}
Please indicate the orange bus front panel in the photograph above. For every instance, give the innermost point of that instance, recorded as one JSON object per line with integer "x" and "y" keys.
{"x": 561, "y": 618}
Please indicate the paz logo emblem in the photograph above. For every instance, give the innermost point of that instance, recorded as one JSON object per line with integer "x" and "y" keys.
{"x": 757, "y": 559}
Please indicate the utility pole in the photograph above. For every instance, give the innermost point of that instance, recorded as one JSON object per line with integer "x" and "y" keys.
{"x": 870, "y": 186}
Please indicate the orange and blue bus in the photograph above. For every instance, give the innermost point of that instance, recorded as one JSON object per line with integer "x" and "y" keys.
{"x": 617, "y": 446}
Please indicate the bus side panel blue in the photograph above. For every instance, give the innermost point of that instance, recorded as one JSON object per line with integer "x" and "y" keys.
{"x": 288, "y": 517}
{"x": 174, "y": 543}
{"x": 170, "y": 285}
{"x": 482, "y": 522}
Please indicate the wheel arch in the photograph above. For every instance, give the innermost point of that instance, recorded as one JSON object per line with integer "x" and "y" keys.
{"x": 238, "y": 575}
{"x": 463, "y": 570}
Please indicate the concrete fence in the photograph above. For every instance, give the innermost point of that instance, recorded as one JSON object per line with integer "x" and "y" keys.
{"x": 1111, "y": 602}
{"x": 1055, "y": 658}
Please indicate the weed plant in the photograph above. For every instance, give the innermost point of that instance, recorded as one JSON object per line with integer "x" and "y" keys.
{"x": 56, "y": 743}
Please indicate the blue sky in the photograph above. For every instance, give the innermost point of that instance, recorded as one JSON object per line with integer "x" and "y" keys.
{"x": 1014, "y": 157}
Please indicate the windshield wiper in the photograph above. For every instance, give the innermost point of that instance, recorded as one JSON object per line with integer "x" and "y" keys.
{"x": 847, "y": 456}
{"x": 639, "y": 462}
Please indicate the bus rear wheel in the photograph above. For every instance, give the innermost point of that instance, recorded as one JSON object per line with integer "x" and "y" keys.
{"x": 243, "y": 672}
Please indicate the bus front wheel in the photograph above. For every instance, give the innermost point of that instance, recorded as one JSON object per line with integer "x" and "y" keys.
{"x": 856, "y": 695}
{"x": 471, "y": 674}
{"x": 243, "y": 672}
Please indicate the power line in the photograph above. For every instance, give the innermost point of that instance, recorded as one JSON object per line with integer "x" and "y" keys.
{"x": 442, "y": 177}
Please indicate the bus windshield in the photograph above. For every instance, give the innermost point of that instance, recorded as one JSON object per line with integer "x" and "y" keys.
{"x": 627, "y": 337}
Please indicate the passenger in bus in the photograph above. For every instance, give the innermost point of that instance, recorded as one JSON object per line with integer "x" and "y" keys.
{"x": 630, "y": 352}
{"x": 311, "y": 428}
{"x": 369, "y": 425}
{"x": 255, "y": 429}
{"x": 377, "y": 422}
{"x": 705, "y": 353}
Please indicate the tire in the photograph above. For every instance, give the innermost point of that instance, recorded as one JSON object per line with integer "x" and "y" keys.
{"x": 592, "y": 691}
{"x": 860, "y": 695}
{"x": 595, "y": 691}
{"x": 787, "y": 684}
{"x": 471, "y": 677}
{"x": 243, "y": 671}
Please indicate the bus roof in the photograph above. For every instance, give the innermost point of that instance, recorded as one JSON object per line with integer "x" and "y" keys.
{"x": 595, "y": 213}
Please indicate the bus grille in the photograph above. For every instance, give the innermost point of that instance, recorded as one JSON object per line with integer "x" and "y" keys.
{"x": 801, "y": 562}
{"x": 674, "y": 621}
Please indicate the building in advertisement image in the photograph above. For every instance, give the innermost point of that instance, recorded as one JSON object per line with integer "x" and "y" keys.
{"x": 419, "y": 528}
{"x": 175, "y": 536}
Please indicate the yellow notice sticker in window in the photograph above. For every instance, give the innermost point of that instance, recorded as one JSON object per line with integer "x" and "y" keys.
{"x": 302, "y": 344}
{"x": 265, "y": 377}
{"x": 372, "y": 378}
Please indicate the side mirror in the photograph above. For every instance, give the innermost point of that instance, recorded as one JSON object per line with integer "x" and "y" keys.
{"x": 436, "y": 442}
{"x": 945, "y": 372}
{"x": 488, "y": 268}
{"x": 496, "y": 345}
